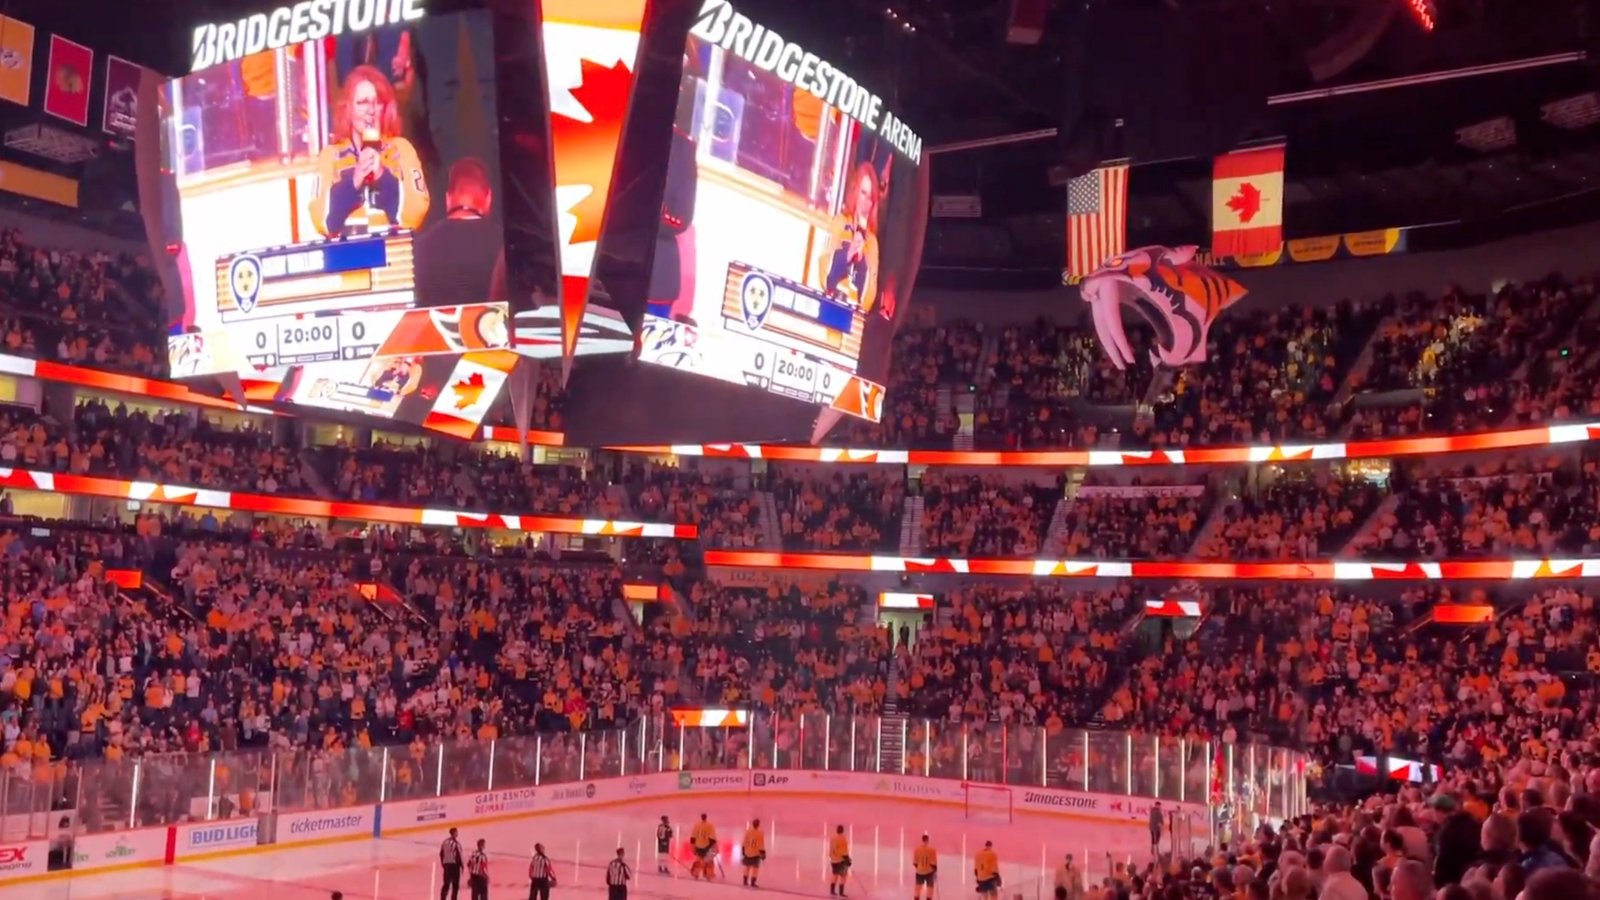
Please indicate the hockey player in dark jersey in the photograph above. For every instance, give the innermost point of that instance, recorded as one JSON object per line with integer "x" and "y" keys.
{"x": 664, "y": 846}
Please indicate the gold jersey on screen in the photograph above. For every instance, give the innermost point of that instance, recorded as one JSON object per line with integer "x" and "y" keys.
{"x": 396, "y": 195}
{"x": 848, "y": 265}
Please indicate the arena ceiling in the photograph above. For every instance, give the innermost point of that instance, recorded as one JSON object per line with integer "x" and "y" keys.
{"x": 1363, "y": 160}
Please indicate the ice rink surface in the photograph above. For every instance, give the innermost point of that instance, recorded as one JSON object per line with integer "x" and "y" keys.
{"x": 581, "y": 842}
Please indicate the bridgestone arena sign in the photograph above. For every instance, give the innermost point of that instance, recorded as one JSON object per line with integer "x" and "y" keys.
{"x": 286, "y": 26}
{"x": 765, "y": 49}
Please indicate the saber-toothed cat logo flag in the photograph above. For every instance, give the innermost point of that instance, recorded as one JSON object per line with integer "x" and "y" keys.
{"x": 590, "y": 56}
{"x": 66, "y": 91}
{"x": 16, "y": 60}
{"x": 1177, "y": 296}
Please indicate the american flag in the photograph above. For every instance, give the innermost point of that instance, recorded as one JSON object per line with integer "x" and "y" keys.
{"x": 1097, "y": 218}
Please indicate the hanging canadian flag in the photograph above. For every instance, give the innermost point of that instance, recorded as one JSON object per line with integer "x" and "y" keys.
{"x": 1247, "y": 202}
{"x": 590, "y": 50}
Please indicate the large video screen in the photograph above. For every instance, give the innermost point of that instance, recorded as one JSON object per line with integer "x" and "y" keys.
{"x": 791, "y": 222}
{"x": 340, "y": 241}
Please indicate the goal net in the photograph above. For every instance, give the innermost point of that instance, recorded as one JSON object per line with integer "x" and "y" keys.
{"x": 988, "y": 803}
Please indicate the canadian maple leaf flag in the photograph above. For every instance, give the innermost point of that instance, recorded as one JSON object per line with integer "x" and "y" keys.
{"x": 1247, "y": 202}
{"x": 469, "y": 392}
{"x": 591, "y": 50}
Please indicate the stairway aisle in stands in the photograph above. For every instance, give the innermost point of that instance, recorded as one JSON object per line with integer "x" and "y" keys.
{"x": 892, "y": 729}
{"x": 1144, "y": 414}
{"x": 312, "y": 476}
{"x": 1356, "y": 375}
{"x": 965, "y": 405}
{"x": 1213, "y": 523}
{"x": 965, "y": 402}
{"x": 771, "y": 534}
{"x": 1366, "y": 533}
{"x": 1055, "y": 534}
{"x": 911, "y": 526}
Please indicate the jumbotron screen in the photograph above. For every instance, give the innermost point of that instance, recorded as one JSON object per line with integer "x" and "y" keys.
{"x": 791, "y": 221}
{"x": 340, "y": 243}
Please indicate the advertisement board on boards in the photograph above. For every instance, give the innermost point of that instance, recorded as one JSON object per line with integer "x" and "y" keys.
{"x": 146, "y": 846}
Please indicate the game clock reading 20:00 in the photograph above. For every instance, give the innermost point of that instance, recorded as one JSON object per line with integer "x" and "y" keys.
{"x": 293, "y": 343}
{"x": 793, "y": 374}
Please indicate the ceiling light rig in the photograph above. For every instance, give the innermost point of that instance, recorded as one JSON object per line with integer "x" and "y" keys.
{"x": 1423, "y": 12}
{"x": 895, "y": 18}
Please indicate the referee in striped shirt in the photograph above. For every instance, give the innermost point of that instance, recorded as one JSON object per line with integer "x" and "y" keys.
{"x": 450, "y": 859}
{"x": 478, "y": 873}
{"x": 542, "y": 873}
{"x": 618, "y": 874}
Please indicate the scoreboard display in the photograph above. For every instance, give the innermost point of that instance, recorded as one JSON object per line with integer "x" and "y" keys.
{"x": 791, "y": 219}
{"x": 332, "y": 301}
{"x": 773, "y": 308}
{"x": 362, "y": 334}
{"x": 775, "y": 334}
{"x": 315, "y": 276}
{"x": 335, "y": 301}
{"x": 316, "y": 186}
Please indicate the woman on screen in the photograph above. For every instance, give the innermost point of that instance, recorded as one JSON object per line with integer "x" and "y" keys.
{"x": 849, "y": 265}
{"x": 368, "y": 176}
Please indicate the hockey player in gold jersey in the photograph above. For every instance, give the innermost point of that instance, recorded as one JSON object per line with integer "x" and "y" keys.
{"x": 754, "y": 850}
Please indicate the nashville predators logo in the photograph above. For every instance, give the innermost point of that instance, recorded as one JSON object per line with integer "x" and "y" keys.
{"x": 755, "y": 299}
{"x": 244, "y": 277}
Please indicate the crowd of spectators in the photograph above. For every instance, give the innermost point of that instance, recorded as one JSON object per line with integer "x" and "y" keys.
{"x": 169, "y": 448}
{"x": 788, "y": 648}
{"x": 1348, "y": 673}
{"x": 1026, "y": 654}
{"x": 1148, "y": 519}
{"x": 257, "y": 646}
{"x": 1515, "y": 506}
{"x": 985, "y": 515}
{"x": 1478, "y": 360}
{"x": 90, "y": 308}
{"x": 1271, "y": 376}
{"x": 463, "y": 478}
{"x": 1301, "y": 515}
{"x": 262, "y": 646}
{"x": 1041, "y": 373}
{"x": 1558, "y": 385}
{"x": 723, "y": 506}
{"x": 839, "y": 511}
{"x": 1518, "y": 505}
{"x": 923, "y": 361}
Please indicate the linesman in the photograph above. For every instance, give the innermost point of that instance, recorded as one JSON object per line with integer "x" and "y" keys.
{"x": 618, "y": 874}
{"x": 478, "y": 873}
{"x": 542, "y": 873}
